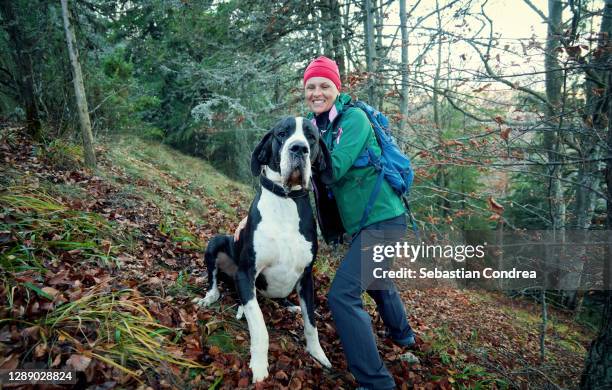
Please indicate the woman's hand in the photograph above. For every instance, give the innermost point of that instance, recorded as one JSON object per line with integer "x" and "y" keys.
{"x": 241, "y": 226}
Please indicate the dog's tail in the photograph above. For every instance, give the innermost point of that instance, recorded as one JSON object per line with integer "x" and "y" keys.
{"x": 219, "y": 256}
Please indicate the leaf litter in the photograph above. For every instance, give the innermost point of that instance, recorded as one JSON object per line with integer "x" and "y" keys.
{"x": 101, "y": 281}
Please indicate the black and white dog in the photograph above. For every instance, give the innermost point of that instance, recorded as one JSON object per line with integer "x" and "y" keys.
{"x": 278, "y": 245}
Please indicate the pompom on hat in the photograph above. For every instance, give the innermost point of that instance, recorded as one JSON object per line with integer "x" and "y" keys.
{"x": 323, "y": 67}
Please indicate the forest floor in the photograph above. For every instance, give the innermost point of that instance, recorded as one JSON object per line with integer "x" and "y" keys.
{"x": 98, "y": 271}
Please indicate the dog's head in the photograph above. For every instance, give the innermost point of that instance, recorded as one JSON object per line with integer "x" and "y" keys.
{"x": 294, "y": 150}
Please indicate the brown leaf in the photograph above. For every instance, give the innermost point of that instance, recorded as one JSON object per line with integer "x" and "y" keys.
{"x": 281, "y": 375}
{"x": 57, "y": 361}
{"x": 243, "y": 383}
{"x": 505, "y": 133}
{"x": 482, "y": 88}
{"x": 295, "y": 383}
{"x": 453, "y": 143}
{"x": 10, "y": 362}
{"x": 78, "y": 362}
{"x": 573, "y": 51}
{"x": 214, "y": 350}
{"x": 51, "y": 291}
{"x": 31, "y": 332}
{"x": 260, "y": 385}
{"x": 391, "y": 356}
{"x": 40, "y": 350}
{"x": 495, "y": 206}
{"x": 59, "y": 278}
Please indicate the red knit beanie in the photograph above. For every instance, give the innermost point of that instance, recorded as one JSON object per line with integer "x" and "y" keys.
{"x": 323, "y": 67}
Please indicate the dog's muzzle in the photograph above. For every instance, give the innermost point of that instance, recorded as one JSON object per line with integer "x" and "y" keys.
{"x": 298, "y": 158}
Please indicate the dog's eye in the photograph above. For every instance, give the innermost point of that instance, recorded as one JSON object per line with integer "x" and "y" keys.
{"x": 282, "y": 134}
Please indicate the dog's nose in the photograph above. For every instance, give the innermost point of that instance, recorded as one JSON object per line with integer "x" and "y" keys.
{"x": 298, "y": 148}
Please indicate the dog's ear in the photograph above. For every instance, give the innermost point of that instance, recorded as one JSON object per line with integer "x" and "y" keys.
{"x": 262, "y": 154}
{"x": 323, "y": 164}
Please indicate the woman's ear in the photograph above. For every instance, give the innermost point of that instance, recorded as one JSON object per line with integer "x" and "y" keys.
{"x": 262, "y": 154}
{"x": 323, "y": 164}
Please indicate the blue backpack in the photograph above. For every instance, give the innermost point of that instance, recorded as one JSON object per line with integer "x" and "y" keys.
{"x": 392, "y": 165}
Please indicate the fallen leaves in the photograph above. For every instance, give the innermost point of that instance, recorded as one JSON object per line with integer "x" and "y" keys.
{"x": 78, "y": 362}
{"x": 164, "y": 264}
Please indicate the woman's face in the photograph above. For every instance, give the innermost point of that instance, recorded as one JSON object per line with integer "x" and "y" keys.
{"x": 320, "y": 94}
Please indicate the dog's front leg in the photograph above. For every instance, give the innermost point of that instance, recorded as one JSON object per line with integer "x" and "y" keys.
{"x": 245, "y": 284}
{"x": 305, "y": 291}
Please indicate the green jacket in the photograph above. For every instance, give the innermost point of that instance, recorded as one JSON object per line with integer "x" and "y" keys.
{"x": 348, "y": 133}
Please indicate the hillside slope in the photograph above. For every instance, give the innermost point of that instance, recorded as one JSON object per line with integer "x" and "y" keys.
{"x": 99, "y": 269}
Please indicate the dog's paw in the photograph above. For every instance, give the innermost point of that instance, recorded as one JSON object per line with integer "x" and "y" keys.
{"x": 211, "y": 297}
{"x": 259, "y": 368}
{"x": 240, "y": 312}
{"x": 294, "y": 309}
{"x": 319, "y": 355}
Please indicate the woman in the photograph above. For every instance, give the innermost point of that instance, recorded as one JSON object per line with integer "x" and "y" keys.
{"x": 347, "y": 132}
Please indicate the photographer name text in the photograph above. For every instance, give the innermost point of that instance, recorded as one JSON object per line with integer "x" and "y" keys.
{"x": 460, "y": 273}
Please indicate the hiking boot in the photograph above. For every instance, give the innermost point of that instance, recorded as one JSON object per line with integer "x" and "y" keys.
{"x": 405, "y": 342}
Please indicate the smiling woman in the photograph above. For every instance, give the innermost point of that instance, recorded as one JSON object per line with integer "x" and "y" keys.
{"x": 346, "y": 131}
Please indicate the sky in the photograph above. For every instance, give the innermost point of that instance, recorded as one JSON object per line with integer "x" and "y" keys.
{"x": 514, "y": 19}
{"x": 515, "y": 25}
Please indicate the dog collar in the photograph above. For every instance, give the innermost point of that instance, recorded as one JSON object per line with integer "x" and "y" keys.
{"x": 280, "y": 190}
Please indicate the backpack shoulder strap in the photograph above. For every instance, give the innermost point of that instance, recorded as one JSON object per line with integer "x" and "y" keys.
{"x": 373, "y": 196}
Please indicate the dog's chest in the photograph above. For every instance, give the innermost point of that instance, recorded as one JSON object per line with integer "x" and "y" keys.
{"x": 281, "y": 251}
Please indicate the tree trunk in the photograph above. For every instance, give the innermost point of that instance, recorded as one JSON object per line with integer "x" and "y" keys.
{"x": 553, "y": 94}
{"x": 21, "y": 51}
{"x": 595, "y": 112}
{"x": 404, "y": 67}
{"x": 597, "y": 372}
{"x": 326, "y": 28}
{"x": 335, "y": 30}
{"x": 379, "y": 63}
{"x": 589, "y": 148}
{"x": 79, "y": 89}
{"x": 552, "y": 135}
{"x": 441, "y": 182}
{"x": 370, "y": 50}
{"x": 313, "y": 21}
{"x": 331, "y": 33}
{"x": 543, "y": 326}
{"x": 436, "y": 81}
{"x": 346, "y": 41}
